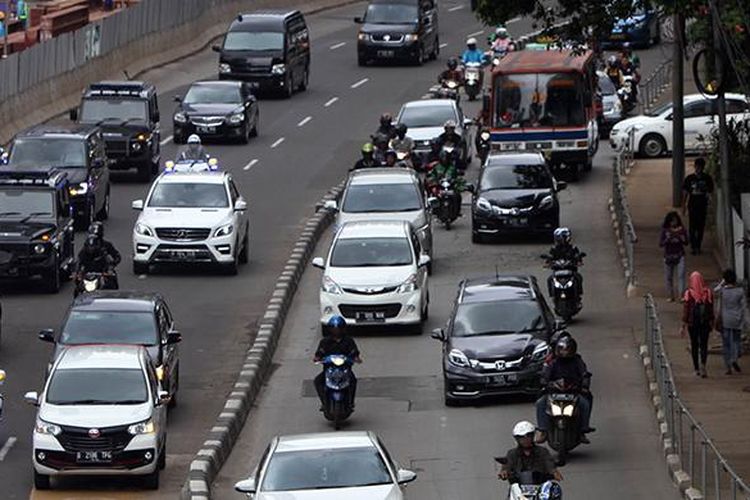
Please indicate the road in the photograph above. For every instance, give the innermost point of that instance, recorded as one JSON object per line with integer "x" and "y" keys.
{"x": 283, "y": 173}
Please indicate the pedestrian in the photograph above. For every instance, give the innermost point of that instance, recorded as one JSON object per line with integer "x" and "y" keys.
{"x": 731, "y": 318}
{"x": 698, "y": 320}
{"x": 673, "y": 240}
{"x": 696, "y": 192}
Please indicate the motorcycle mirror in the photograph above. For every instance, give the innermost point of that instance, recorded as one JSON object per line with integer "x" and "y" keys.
{"x": 501, "y": 460}
{"x": 32, "y": 398}
{"x": 47, "y": 335}
{"x": 438, "y": 334}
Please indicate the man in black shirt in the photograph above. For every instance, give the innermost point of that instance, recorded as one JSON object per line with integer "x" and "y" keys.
{"x": 696, "y": 193}
{"x": 528, "y": 457}
{"x": 368, "y": 159}
{"x": 337, "y": 342}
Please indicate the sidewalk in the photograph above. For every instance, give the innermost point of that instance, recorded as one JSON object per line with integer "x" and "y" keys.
{"x": 717, "y": 402}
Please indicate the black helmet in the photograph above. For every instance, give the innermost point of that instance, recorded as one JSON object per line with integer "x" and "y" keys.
{"x": 97, "y": 228}
{"x": 566, "y": 347}
{"x": 401, "y": 129}
{"x": 386, "y": 119}
{"x": 93, "y": 243}
{"x": 557, "y": 336}
{"x": 336, "y": 324}
{"x": 452, "y": 63}
{"x": 380, "y": 140}
{"x": 391, "y": 153}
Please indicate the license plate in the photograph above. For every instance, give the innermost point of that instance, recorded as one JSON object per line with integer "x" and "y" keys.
{"x": 94, "y": 457}
{"x": 370, "y": 316}
{"x": 503, "y": 380}
{"x": 184, "y": 255}
{"x": 617, "y": 36}
{"x": 517, "y": 222}
{"x": 386, "y": 53}
{"x": 253, "y": 85}
{"x": 206, "y": 130}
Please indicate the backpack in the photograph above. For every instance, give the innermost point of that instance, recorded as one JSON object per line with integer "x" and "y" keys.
{"x": 701, "y": 317}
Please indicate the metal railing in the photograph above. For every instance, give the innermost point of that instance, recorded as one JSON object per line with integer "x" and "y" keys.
{"x": 657, "y": 82}
{"x": 709, "y": 471}
{"x": 623, "y": 162}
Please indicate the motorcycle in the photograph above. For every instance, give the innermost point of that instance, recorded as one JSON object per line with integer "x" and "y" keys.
{"x": 92, "y": 281}
{"x": 473, "y": 80}
{"x": 563, "y": 286}
{"x": 627, "y": 95}
{"x": 483, "y": 144}
{"x": 448, "y": 89}
{"x": 528, "y": 485}
{"x": 562, "y": 406}
{"x": 338, "y": 398}
{"x": 454, "y": 150}
{"x": 445, "y": 202}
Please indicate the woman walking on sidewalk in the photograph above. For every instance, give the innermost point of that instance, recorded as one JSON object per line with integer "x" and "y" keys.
{"x": 698, "y": 320}
{"x": 731, "y": 318}
{"x": 673, "y": 239}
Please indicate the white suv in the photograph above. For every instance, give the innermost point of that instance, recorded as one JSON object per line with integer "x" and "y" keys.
{"x": 102, "y": 412}
{"x": 375, "y": 274}
{"x": 191, "y": 218}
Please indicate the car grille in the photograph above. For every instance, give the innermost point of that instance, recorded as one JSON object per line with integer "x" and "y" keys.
{"x": 388, "y": 310}
{"x": 110, "y": 439}
{"x": 182, "y": 234}
{"x": 388, "y": 37}
{"x": 499, "y": 365}
{"x": 371, "y": 290}
{"x": 250, "y": 69}
{"x": 15, "y": 249}
{"x": 207, "y": 121}
{"x": 116, "y": 146}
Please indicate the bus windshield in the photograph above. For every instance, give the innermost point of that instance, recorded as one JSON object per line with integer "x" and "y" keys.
{"x": 539, "y": 100}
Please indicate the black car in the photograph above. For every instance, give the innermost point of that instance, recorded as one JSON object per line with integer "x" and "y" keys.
{"x": 516, "y": 193}
{"x": 496, "y": 338}
{"x": 405, "y": 30}
{"x": 128, "y": 114}
{"x": 269, "y": 49}
{"x": 216, "y": 109}
{"x": 79, "y": 151}
{"x": 36, "y": 227}
{"x": 121, "y": 317}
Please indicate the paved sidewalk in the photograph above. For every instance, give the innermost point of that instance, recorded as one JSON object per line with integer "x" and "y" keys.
{"x": 718, "y": 402}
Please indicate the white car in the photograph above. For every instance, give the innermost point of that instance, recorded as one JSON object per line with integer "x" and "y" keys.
{"x": 101, "y": 413}
{"x": 375, "y": 274}
{"x": 653, "y": 132}
{"x": 327, "y": 466}
{"x": 192, "y": 218}
{"x": 425, "y": 120}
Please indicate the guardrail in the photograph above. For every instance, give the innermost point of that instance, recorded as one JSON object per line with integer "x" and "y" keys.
{"x": 623, "y": 222}
{"x": 698, "y": 458}
{"x": 657, "y": 82}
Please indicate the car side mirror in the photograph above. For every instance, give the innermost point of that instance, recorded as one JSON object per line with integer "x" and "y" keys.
{"x": 319, "y": 263}
{"x": 216, "y": 48}
{"x": 137, "y": 205}
{"x": 331, "y": 205}
{"x": 47, "y": 335}
{"x": 562, "y": 185}
{"x": 433, "y": 202}
{"x": 32, "y": 397}
{"x": 470, "y": 187}
{"x": 163, "y": 398}
{"x": 240, "y": 205}
{"x": 73, "y": 114}
{"x": 177, "y": 99}
{"x": 668, "y": 118}
{"x": 406, "y": 476}
{"x": 245, "y": 486}
{"x": 174, "y": 337}
{"x": 468, "y": 122}
{"x": 424, "y": 260}
{"x": 438, "y": 334}
{"x": 359, "y": 20}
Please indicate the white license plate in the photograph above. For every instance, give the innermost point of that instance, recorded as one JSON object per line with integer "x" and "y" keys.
{"x": 371, "y": 316}
{"x": 503, "y": 380}
{"x": 183, "y": 255}
{"x": 206, "y": 130}
{"x": 386, "y": 53}
{"x": 94, "y": 457}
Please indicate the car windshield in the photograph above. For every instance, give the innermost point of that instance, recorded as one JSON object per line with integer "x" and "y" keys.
{"x": 109, "y": 327}
{"x": 97, "y": 110}
{"x": 498, "y": 317}
{"x": 213, "y": 94}
{"x": 92, "y": 386}
{"x": 661, "y": 109}
{"x": 606, "y": 87}
{"x": 392, "y": 13}
{"x": 257, "y": 41}
{"x": 426, "y": 116}
{"x": 323, "y": 469}
{"x": 539, "y": 100}
{"x": 19, "y": 203}
{"x": 47, "y": 152}
{"x": 188, "y": 195}
{"x": 382, "y": 198}
{"x": 371, "y": 252}
{"x": 515, "y": 177}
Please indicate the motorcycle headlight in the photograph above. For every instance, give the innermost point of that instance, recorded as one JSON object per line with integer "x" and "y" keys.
{"x": 546, "y": 203}
{"x": 567, "y": 410}
{"x": 145, "y": 427}
{"x": 485, "y": 136}
{"x": 180, "y": 117}
{"x": 143, "y": 229}
{"x": 411, "y": 37}
{"x": 330, "y": 286}
{"x": 43, "y": 427}
{"x": 81, "y": 188}
{"x": 224, "y": 68}
{"x": 160, "y": 372}
{"x": 363, "y": 37}
{"x": 451, "y": 84}
{"x": 224, "y": 230}
{"x": 458, "y": 358}
{"x": 556, "y": 409}
{"x": 409, "y": 285}
{"x": 89, "y": 285}
{"x": 484, "y": 205}
{"x": 278, "y": 69}
{"x": 236, "y": 118}
{"x": 540, "y": 352}
{"x": 563, "y": 284}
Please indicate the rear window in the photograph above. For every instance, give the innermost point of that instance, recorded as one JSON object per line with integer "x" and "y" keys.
{"x": 371, "y": 252}
{"x": 426, "y": 116}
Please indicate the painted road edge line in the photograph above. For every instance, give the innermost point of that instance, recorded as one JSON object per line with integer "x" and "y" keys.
{"x": 7, "y": 446}
{"x": 250, "y": 164}
{"x": 166, "y": 141}
{"x": 330, "y": 101}
{"x": 304, "y": 121}
{"x": 256, "y": 369}
{"x": 360, "y": 83}
{"x": 476, "y": 33}
{"x": 278, "y": 142}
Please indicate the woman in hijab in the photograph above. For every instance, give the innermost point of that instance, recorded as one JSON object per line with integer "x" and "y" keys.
{"x": 697, "y": 319}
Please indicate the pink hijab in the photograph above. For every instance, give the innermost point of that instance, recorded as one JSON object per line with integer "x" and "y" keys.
{"x": 697, "y": 289}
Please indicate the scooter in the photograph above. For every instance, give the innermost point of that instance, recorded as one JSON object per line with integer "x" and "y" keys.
{"x": 530, "y": 485}
{"x": 473, "y": 80}
{"x": 92, "y": 281}
{"x": 445, "y": 202}
{"x": 338, "y": 398}
{"x": 562, "y": 407}
{"x": 483, "y": 144}
{"x": 448, "y": 89}
{"x": 563, "y": 287}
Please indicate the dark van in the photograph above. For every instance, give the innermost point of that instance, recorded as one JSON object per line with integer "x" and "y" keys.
{"x": 405, "y": 30}
{"x": 270, "y": 49}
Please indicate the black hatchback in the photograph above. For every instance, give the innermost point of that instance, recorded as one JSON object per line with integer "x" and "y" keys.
{"x": 496, "y": 338}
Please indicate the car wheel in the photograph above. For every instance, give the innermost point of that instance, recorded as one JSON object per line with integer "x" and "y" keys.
{"x": 426, "y": 310}
{"x": 244, "y": 256}
{"x": 289, "y": 89}
{"x": 419, "y": 60}
{"x": 140, "y": 268}
{"x": 254, "y": 130}
{"x": 435, "y": 49}
{"x": 305, "y": 80}
{"x": 477, "y": 237}
{"x": 232, "y": 268}
{"x": 361, "y": 60}
{"x": 652, "y": 146}
{"x": 144, "y": 172}
{"x": 163, "y": 458}
{"x": 151, "y": 481}
{"x": 104, "y": 212}
{"x": 245, "y": 135}
{"x": 449, "y": 401}
{"x": 51, "y": 277}
{"x": 41, "y": 481}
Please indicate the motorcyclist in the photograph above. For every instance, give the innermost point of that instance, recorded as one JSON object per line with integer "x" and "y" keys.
{"x": 391, "y": 158}
{"x": 627, "y": 53}
{"x": 337, "y": 342}
{"x": 565, "y": 250}
{"x": 194, "y": 151}
{"x": 472, "y": 54}
{"x": 449, "y": 135}
{"x": 386, "y": 126}
{"x": 501, "y": 43}
{"x": 613, "y": 71}
{"x": 99, "y": 256}
{"x": 380, "y": 141}
{"x": 433, "y": 155}
{"x": 403, "y": 144}
{"x": 569, "y": 368}
{"x": 452, "y": 73}
{"x": 527, "y": 456}
{"x": 367, "y": 160}
{"x": 445, "y": 168}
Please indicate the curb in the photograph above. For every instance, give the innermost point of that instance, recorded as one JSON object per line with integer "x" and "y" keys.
{"x": 225, "y": 432}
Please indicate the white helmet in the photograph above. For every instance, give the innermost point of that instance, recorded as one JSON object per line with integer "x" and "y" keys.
{"x": 471, "y": 41}
{"x": 523, "y": 429}
{"x": 194, "y": 139}
{"x": 501, "y": 31}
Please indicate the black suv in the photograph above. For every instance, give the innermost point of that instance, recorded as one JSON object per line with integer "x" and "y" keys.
{"x": 496, "y": 338}
{"x": 120, "y": 317}
{"x": 79, "y": 151}
{"x": 128, "y": 114}
{"x": 36, "y": 227}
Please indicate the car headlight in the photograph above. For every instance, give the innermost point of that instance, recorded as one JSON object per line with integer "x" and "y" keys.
{"x": 136, "y": 146}
{"x": 409, "y": 285}
{"x": 546, "y": 203}
{"x": 143, "y": 229}
{"x": 278, "y": 69}
{"x": 224, "y": 230}
{"x": 330, "y": 286}
{"x": 180, "y": 117}
{"x": 363, "y": 37}
{"x": 143, "y": 137}
{"x": 236, "y": 118}
{"x": 540, "y": 352}
{"x": 160, "y": 372}
{"x": 458, "y": 358}
{"x": 81, "y": 188}
{"x": 39, "y": 249}
{"x": 411, "y": 37}
{"x": 484, "y": 205}
{"x": 485, "y": 136}
{"x": 43, "y": 427}
{"x": 145, "y": 427}
{"x": 224, "y": 68}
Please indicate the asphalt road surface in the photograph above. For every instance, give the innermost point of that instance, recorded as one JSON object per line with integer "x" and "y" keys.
{"x": 306, "y": 144}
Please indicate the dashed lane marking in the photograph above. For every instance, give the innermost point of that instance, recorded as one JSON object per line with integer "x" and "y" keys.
{"x": 360, "y": 83}
{"x": 7, "y": 446}
{"x": 514, "y": 20}
{"x": 277, "y": 143}
{"x": 167, "y": 140}
{"x": 330, "y": 101}
{"x": 443, "y": 45}
{"x": 304, "y": 121}
{"x": 337, "y": 45}
{"x": 251, "y": 164}
{"x": 454, "y": 9}
{"x": 476, "y": 33}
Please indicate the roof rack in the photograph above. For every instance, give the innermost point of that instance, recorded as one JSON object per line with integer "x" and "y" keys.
{"x": 49, "y": 178}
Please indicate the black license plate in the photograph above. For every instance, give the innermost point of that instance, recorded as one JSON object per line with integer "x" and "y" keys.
{"x": 206, "y": 130}
{"x": 386, "y": 53}
{"x": 370, "y": 316}
{"x": 516, "y": 222}
{"x": 94, "y": 457}
{"x": 503, "y": 380}
{"x": 254, "y": 85}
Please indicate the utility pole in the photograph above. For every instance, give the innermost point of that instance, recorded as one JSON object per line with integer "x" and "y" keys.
{"x": 678, "y": 116}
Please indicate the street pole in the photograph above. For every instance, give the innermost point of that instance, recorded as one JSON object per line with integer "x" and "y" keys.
{"x": 678, "y": 117}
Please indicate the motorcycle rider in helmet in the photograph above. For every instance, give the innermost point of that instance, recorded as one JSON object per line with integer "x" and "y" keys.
{"x": 527, "y": 456}
{"x": 367, "y": 160}
{"x": 565, "y": 250}
{"x": 501, "y": 43}
{"x": 613, "y": 71}
{"x": 627, "y": 53}
{"x": 386, "y": 126}
{"x": 445, "y": 168}
{"x": 337, "y": 342}
{"x": 449, "y": 135}
{"x": 433, "y": 155}
{"x": 194, "y": 151}
{"x": 452, "y": 73}
{"x": 472, "y": 54}
{"x": 99, "y": 256}
{"x": 380, "y": 141}
{"x": 391, "y": 158}
{"x": 569, "y": 368}
{"x": 402, "y": 143}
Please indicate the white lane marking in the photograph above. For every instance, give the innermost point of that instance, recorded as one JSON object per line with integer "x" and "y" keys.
{"x": 251, "y": 164}
{"x": 476, "y": 33}
{"x": 304, "y": 121}
{"x": 330, "y": 101}
{"x": 514, "y": 20}
{"x": 337, "y": 46}
{"x": 454, "y": 9}
{"x": 360, "y": 83}
{"x": 7, "y": 446}
{"x": 278, "y": 142}
{"x": 443, "y": 45}
{"x": 167, "y": 140}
